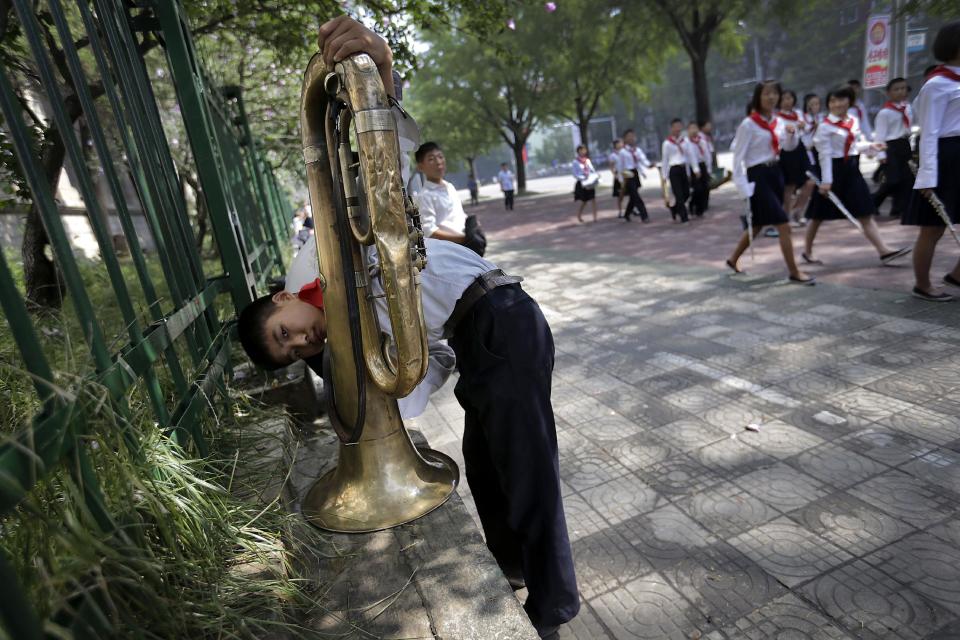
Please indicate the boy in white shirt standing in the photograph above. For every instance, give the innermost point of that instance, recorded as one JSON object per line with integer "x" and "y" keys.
{"x": 441, "y": 212}
{"x": 505, "y": 178}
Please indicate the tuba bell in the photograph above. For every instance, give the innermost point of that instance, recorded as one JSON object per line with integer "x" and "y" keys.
{"x": 381, "y": 479}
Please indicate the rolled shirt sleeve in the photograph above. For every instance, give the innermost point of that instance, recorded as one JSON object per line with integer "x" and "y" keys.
{"x": 739, "y": 148}
{"x": 929, "y": 107}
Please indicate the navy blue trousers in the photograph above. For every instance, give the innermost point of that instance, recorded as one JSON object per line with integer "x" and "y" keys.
{"x": 505, "y": 356}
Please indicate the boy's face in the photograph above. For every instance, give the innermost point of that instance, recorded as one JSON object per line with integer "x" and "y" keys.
{"x": 433, "y": 165}
{"x": 693, "y": 130}
{"x": 630, "y": 139}
{"x": 838, "y": 106}
{"x": 898, "y": 92}
{"x": 295, "y": 330}
{"x": 676, "y": 128}
{"x": 707, "y": 127}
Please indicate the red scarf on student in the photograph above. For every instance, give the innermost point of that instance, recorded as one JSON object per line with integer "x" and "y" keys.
{"x": 946, "y": 73}
{"x": 811, "y": 121}
{"x": 312, "y": 293}
{"x": 902, "y": 109}
{"x": 846, "y": 124}
{"x": 769, "y": 126}
{"x": 789, "y": 115}
{"x": 696, "y": 140}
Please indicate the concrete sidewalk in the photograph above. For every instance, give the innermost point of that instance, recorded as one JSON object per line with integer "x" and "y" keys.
{"x": 839, "y": 517}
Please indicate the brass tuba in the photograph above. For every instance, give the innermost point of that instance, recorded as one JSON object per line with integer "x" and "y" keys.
{"x": 381, "y": 479}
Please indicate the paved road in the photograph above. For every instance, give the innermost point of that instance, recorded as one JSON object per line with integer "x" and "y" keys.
{"x": 839, "y": 518}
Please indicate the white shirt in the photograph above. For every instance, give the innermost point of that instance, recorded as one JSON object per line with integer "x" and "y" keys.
{"x": 752, "y": 145}
{"x": 889, "y": 124}
{"x": 859, "y": 111}
{"x": 582, "y": 170}
{"x": 701, "y": 150}
{"x": 831, "y": 140}
{"x": 938, "y": 112}
{"x": 811, "y": 122}
{"x": 506, "y": 180}
{"x": 673, "y": 153}
{"x": 633, "y": 159}
{"x": 614, "y": 159}
{"x": 440, "y": 208}
{"x": 451, "y": 268}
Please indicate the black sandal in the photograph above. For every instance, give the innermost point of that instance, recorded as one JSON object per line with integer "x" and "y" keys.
{"x": 809, "y": 282}
{"x": 734, "y": 267}
{"x": 950, "y": 280}
{"x": 810, "y": 260}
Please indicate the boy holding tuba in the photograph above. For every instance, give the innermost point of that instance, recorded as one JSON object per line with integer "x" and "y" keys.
{"x": 504, "y": 351}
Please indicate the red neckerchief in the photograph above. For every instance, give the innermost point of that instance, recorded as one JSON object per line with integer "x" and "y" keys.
{"x": 769, "y": 126}
{"x": 696, "y": 141}
{"x": 811, "y": 120}
{"x": 789, "y": 115}
{"x": 946, "y": 73}
{"x": 633, "y": 152}
{"x": 312, "y": 293}
{"x": 902, "y": 109}
{"x": 846, "y": 124}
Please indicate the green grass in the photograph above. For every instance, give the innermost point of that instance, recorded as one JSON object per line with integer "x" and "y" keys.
{"x": 194, "y": 556}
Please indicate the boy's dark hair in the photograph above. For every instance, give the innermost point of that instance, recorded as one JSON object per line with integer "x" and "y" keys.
{"x": 616, "y": 140}
{"x": 758, "y": 91}
{"x": 675, "y": 121}
{"x": 853, "y": 83}
{"x": 703, "y": 123}
{"x": 929, "y": 70}
{"x": 627, "y": 132}
{"x": 841, "y": 92}
{"x": 504, "y": 164}
{"x": 693, "y": 123}
{"x": 946, "y": 46}
{"x": 806, "y": 101}
{"x": 788, "y": 92}
{"x": 895, "y": 81}
{"x": 424, "y": 149}
{"x": 581, "y": 146}
{"x": 253, "y": 338}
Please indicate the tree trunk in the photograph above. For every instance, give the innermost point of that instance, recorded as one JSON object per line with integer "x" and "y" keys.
{"x": 43, "y": 285}
{"x": 701, "y": 90}
{"x": 584, "y": 125}
{"x": 521, "y": 167}
{"x": 472, "y": 167}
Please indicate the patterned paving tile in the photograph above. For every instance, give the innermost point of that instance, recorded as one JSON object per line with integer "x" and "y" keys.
{"x": 855, "y": 372}
{"x": 649, "y": 609}
{"x": 925, "y": 423}
{"x": 728, "y": 510}
{"x": 908, "y": 498}
{"x": 909, "y": 388}
{"x": 582, "y": 519}
{"x": 941, "y": 467}
{"x": 665, "y": 536}
{"x": 679, "y": 476}
{"x": 787, "y": 618}
{"x": 688, "y": 434}
{"x": 640, "y": 451}
{"x": 592, "y": 468}
{"x": 850, "y": 523}
{"x": 925, "y": 563}
{"x": 722, "y": 583}
{"x": 622, "y": 499}
{"x": 837, "y": 465}
{"x": 584, "y": 409}
{"x": 586, "y": 626}
{"x": 605, "y": 561}
{"x": 813, "y": 385}
{"x": 869, "y": 405}
{"x": 732, "y": 457}
{"x": 609, "y": 428}
{"x": 789, "y": 552}
{"x": 825, "y": 420}
{"x": 886, "y": 445}
{"x": 782, "y": 487}
{"x": 696, "y": 399}
{"x": 870, "y": 603}
{"x": 733, "y": 417}
{"x": 780, "y": 440}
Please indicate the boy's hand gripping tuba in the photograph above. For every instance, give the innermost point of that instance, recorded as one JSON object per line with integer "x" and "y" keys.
{"x": 359, "y": 203}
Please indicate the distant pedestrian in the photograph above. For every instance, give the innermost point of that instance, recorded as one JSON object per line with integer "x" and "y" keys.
{"x": 633, "y": 161}
{"x": 858, "y": 108}
{"x": 892, "y": 127}
{"x": 700, "y": 186}
{"x": 838, "y": 139}
{"x": 613, "y": 163}
{"x": 474, "y": 187}
{"x": 938, "y": 112}
{"x": 794, "y": 163}
{"x": 677, "y": 162}
{"x": 587, "y": 178}
{"x": 757, "y": 176}
{"x": 505, "y": 178}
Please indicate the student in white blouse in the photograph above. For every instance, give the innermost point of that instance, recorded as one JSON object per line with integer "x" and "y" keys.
{"x": 441, "y": 212}
{"x": 678, "y": 163}
{"x": 796, "y": 162}
{"x": 587, "y": 178}
{"x": 858, "y": 108}
{"x": 839, "y": 142}
{"x": 892, "y": 127}
{"x": 700, "y": 151}
{"x": 757, "y": 176}
{"x": 938, "y": 113}
{"x": 632, "y": 162}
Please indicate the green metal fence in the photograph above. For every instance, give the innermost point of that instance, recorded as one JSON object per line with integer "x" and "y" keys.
{"x": 248, "y": 216}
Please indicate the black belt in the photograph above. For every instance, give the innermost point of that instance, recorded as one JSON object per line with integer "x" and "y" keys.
{"x": 483, "y": 285}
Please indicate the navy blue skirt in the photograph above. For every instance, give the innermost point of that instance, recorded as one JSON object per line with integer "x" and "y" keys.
{"x": 766, "y": 203}
{"x": 582, "y": 194}
{"x": 850, "y": 187}
{"x": 920, "y": 212}
{"x": 794, "y": 165}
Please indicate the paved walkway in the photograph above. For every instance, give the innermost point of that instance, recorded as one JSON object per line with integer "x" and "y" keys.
{"x": 838, "y": 518}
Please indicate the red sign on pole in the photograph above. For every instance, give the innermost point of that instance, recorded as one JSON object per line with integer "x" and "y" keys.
{"x": 876, "y": 67}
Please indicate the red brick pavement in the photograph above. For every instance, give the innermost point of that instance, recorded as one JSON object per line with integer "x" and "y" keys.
{"x": 549, "y": 221}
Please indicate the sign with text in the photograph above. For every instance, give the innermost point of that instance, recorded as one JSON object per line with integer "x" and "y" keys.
{"x": 876, "y": 67}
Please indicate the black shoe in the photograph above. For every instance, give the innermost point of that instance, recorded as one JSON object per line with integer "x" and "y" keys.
{"x": 810, "y": 260}
{"x": 809, "y": 282}
{"x": 771, "y": 233}
{"x": 950, "y": 280}
{"x": 887, "y": 258}
{"x": 549, "y": 633}
{"x": 931, "y": 297}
